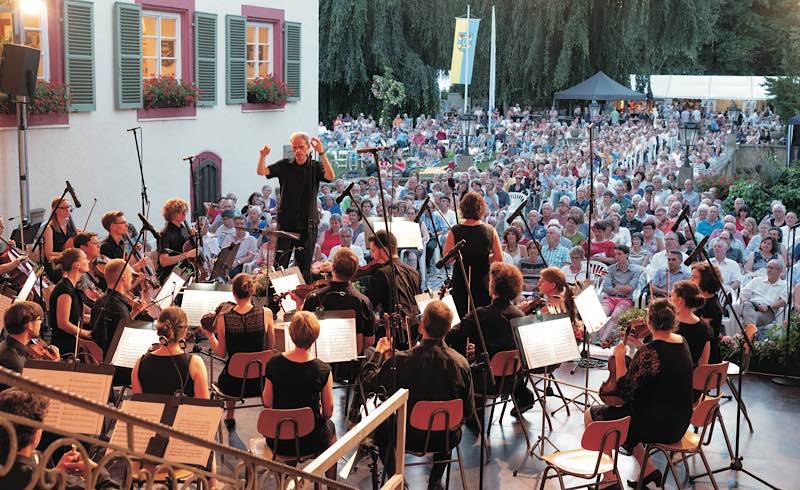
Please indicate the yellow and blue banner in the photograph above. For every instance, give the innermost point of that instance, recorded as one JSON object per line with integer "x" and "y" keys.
{"x": 464, "y": 41}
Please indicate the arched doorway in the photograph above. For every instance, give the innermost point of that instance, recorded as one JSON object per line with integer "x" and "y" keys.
{"x": 207, "y": 175}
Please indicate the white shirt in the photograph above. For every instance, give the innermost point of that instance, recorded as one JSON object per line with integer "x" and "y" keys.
{"x": 450, "y": 217}
{"x": 575, "y": 278}
{"x": 356, "y": 250}
{"x": 760, "y": 290}
{"x": 659, "y": 261}
{"x": 248, "y": 248}
{"x": 731, "y": 271}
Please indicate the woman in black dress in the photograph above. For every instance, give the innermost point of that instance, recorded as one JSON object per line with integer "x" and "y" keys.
{"x": 245, "y": 328}
{"x": 56, "y": 235}
{"x": 482, "y": 249}
{"x": 703, "y": 276}
{"x": 65, "y": 312}
{"x": 686, "y": 298}
{"x": 656, "y": 387}
{"x": 297, "y": 379}
{"x": 168, "y": 369}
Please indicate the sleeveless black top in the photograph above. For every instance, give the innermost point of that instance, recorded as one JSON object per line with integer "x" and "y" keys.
{"x": 164, "y": 375}
{"x": 245, "y": 332}
{"x": 476, "y": 263}
{"x": 59, "y": 240}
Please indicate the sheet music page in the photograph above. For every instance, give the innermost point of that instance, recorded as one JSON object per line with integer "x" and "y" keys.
{"x": 141, "y": 437}
{"x": 197, "y": 303}
{"x": 407, "y": 232}
{"x": 549, "y": 342}
{"x": 171, "y": 287}
{"x": 337, "y": 340}
{"x": 284, "y": 284}
{"x": 5, "y": 304}
{"x": 590, "y": 309}
{"x": 133, "y": 344}
{"x": 65, "y": 416}
{"x": 199, "y": 421}
{"x": 424, "y": 299}
{"x": 287, "y": 339}
{"x": 26, "y": 288}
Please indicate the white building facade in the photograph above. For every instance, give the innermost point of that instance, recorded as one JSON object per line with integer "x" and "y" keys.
{"x": 105, "y": 51}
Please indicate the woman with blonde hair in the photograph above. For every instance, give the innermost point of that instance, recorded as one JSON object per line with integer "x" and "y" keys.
{"x": 56, "y": 235}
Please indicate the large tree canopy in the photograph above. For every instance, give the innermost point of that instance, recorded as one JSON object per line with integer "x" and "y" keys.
{"x": 544, "y": 46}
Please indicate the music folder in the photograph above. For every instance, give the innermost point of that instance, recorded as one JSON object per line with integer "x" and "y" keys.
{"x": 284, "y": 281}
{"x": 224, "y": 261}
{"x": 89, "y": 381}
{"x": 544, "y": 342}
{"x": 200, "y": 299}
{"x": 337, "y": 337}
{"x": 424, "y": 299}
{"x": 132, "y": 340}
{"x": 592, "y": 313}
{"x": 407, "y": 233}
{"x": 194, "y": 416}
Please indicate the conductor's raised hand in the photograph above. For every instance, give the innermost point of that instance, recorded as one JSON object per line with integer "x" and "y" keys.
{"x": 264, "y": 151}
{"x": 316, "y": 144}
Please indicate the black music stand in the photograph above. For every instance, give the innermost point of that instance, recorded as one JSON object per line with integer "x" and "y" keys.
{"x": 222, "y": 266}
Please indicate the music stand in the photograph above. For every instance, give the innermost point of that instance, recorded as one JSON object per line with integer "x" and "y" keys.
{"x": 425, "y": 298}
{"x": 284, "y": 281}
{"x": 541, "y": 343}
{"x": 222, "y": 266}
{"x": 406, "y": 231}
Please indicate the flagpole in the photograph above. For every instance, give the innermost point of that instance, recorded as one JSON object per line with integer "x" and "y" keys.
{"x": 492, "y": 71}
{"x": 466, "y": 61}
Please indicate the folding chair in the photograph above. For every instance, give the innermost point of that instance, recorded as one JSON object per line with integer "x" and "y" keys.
{"x": 504, "y": 366}
{"x": 598, "y": 454}
{"x": 690, "y": 444}
{"x": 707, "y": 379}
{"x": 442, "y": 417}
{"x": 285, "y": 425}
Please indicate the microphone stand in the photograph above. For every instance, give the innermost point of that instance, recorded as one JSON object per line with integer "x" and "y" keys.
{"x": 736, "y": 464}
{"x": 455, "y": 202}
{"x": 197, "y": 239}
{"x": 438, "y": 242}
{"x": 145, "y": 199}
{"x": 785, "y": 380}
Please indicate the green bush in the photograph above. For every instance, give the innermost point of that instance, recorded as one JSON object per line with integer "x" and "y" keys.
{"x": 755, "y": 195}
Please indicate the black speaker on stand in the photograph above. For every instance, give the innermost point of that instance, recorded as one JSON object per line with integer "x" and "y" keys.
{"x": 18, "y": 70}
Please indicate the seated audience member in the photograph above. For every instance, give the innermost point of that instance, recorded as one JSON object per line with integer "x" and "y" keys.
{"x": 245, "y": 328}
{"x": 248, "y": 246}
{"x": 431, "y": 371}
{"x": 297, "y": 379}
{"x": 71, "y": 465}
{"x": 762, "y": 297}
{"x": 657, "y": 389}
{"x": 530, "y": 267}
{"x": 768, "y": 250}
{"x": 664, "y": 279}
{"x": 601, "y": 249}
{"x": 617, "y": 289}
{"x": 731, "y": 272}
{"x": 575, "y": 270}
{"x": 23, "y": 321}
{"x": 168, "y": 369}
{"x": 659, "y": 260}
{"x": 554, "y": 253}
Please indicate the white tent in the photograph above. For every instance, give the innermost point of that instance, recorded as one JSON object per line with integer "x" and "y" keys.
{"x": 707, "y": 87}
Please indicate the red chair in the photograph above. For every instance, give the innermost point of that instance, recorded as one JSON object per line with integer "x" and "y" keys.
{"x": 438, "y": 416}
{"x": 505, "y": 367}
{"x": 708, "y": 379}
{"x": 598, "y": 454}
{"x": 247, "y": 366}
{"x": 287, "y": 425}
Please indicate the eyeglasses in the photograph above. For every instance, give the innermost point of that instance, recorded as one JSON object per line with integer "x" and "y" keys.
{"x": 68, "y": 208}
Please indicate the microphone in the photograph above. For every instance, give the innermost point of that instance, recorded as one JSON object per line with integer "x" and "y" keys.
{"x": 188, "y": 158}
{"x": 147, "y": 226}
{"x": 517, "y": 212}
{"x": 373, "y": 149}
{"x": 345, "y": 193}
{"x": 133, "y": 129}
{"x": 451, "y": 183}
{"x": 452, "y": 253}
{"x": 321, "y": 306}
{"x": 422, "y": 209}
{"x": 681, "y": 217}
{"x": 696, "y": 252}
{"x": 72, "y": 193}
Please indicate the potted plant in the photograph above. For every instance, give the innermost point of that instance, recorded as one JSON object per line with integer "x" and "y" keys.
{"x": 268, "y": 91}
{"x": 261, "y": 281}
{"x": 49, "y": 105}
{"x": 169, "y": 92}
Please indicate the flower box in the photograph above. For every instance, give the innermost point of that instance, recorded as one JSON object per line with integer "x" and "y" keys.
{"x": 48, "y": 107}
{"x": 262, "y": 106}
{"x": 267, "y": 93}
{"x": 168, "y": 93}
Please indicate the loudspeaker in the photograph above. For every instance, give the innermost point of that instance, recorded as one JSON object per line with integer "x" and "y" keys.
{"x": 18, "y": 70}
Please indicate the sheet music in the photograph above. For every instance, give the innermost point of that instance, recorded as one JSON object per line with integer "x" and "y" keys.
{"x": 93, "y": 386}
{"x": 5, "y": 304}
{"x": 284, "y": 284}
{"x": 133, "y": 344}
{"x": 141, "y": 437}
{"x": 197, "y": 303}
{"x": 171, "y": 287}
{"x": 199, "y": 421}
{"x": 549, "y": 342}
{"x": 26, "y": 288}
{"x": 407, "y": 232}
{"x": 424, "y": 299}
{"x": 590, "y": 309}
{"x": 337, "y": 340}
{"x": 287, "y": 339}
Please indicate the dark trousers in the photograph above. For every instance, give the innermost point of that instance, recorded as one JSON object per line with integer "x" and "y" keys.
{"x": 415, "y": 442}
{"x": 303, "y": 251}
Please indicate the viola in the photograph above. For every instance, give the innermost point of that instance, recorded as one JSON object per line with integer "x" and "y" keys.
{"x": 40, "y": 350}
{"x": 24, "y": 269}
{"x": 609, "y": 391}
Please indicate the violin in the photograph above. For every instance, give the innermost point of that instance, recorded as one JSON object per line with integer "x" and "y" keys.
{"x": 609, "y": 391}
{"x": 40, "y": 350}
{"x": 25, "y": 268}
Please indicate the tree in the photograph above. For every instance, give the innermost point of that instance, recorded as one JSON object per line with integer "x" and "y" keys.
{"x": 784, "y": 95}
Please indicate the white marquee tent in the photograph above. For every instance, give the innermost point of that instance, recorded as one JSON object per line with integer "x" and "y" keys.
{"x": 707, "y": 87}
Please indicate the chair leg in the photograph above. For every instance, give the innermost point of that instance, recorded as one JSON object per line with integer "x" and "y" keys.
{"x": 708, "y": 470}
{"x": 503, "y": 410}
{"x": 461, "y": 468}
{"x": 522, "y": 423}
{"x": 725, "y": 434}
{"x": 447, "y": 478}
{"x": 741, "y": 402}
{"x": 647, "y": 450}
{"x": 544, "y": 477}
{"x": 672, "y": 470}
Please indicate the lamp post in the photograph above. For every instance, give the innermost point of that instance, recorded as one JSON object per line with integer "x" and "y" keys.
{"x": 689, "y": 132}
{"x": 733, "y": 114}
{"x": 594, "y": 110}
{"x": 466, "y": 123}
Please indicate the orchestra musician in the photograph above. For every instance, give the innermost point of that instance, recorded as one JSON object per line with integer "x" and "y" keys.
{"x": 60, "y": 229}
{"x": 483, "y": 248}
{"x": 174, "y": 236}
{"x": 686, "y": 298}
{"x": 168, "y": 369}
{"x": 113, "y": 245}
{"x": 711, "y": 312}
{"x": 92, "y": 283}
{"x": 245, "y": 328}
{"x": 65, "y": 312}
{"x": 339, "y": 294}
{"x": 115, "y": 305}
{"x": 299, "y": 179}
{"x": 23, "y": 322}
{"x": 657, "y": 389}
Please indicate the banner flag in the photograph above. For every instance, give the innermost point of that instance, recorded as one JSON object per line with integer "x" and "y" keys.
{"x": 466, "y": 34}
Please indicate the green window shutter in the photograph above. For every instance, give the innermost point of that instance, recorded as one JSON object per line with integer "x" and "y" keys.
{"x": 128, "y": 54}
{"x": 205, "y": 57}
{"x": 236, "y": 59}
{"x": 79, "y": 53}
{"x": 291, "y": 58}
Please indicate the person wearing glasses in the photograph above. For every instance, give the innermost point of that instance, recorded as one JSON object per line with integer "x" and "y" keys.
{"x": 60, "y": 229}
{"x": 113, "y": 247}
{"x": 763, "y": 297}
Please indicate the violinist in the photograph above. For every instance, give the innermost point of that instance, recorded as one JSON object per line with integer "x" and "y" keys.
{"x": 115, "y": 305}
{"x": 92, "y": 283}
{"x": 65, "y": 312}
{"x": 56, "y": 235}
{"x": 23, "y": 321}
{"x": 174, "y": 236}
{"x": 113, "y": 246}
{"x": 656, "y": 389}
{"x": 13, "y": 264}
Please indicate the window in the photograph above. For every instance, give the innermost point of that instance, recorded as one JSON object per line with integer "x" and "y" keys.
{"x": 161, "y": 45}
{"x": 34, "y": 28}
{"x": 260, "y": 58}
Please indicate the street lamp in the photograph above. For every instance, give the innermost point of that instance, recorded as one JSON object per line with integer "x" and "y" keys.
{"x": 466, "y": 122}
{"x": 689, "y": 131}
{"x": 594, "y": 110}
{"x": 733, "y": 114}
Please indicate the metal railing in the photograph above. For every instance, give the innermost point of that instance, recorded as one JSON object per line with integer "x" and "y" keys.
{"x": 250, "y": 472}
